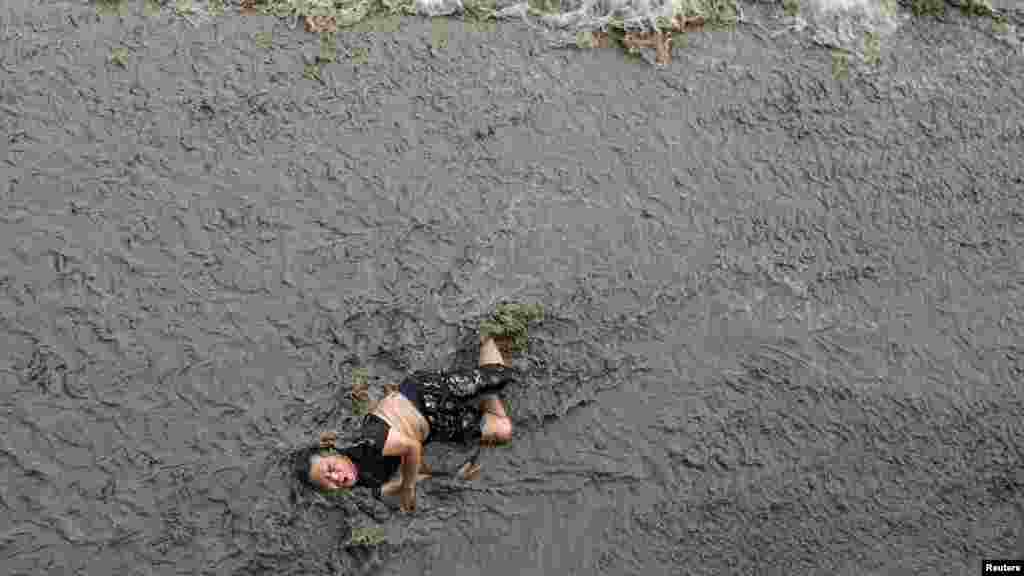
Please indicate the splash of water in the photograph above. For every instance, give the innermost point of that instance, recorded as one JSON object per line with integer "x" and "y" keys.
{"x": 852, "y": 25}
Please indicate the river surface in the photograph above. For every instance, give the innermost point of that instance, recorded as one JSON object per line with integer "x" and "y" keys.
{"x": 785, "y": 331}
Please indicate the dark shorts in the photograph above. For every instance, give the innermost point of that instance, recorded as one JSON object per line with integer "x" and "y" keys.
{"x": 408, "y": 389}
{"x": 450, "y": 401}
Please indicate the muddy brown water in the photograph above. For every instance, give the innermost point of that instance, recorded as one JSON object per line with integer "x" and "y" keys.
{"x": 784, "y": 329}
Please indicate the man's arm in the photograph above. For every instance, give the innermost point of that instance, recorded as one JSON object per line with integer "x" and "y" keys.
{"x": 411, "y": 465}
{"x": 411, "y": 451}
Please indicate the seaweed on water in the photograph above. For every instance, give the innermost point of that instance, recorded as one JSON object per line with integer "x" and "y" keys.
{"x": 360, "y": 392}
{"x": 367, "y": 536}
{"x": 110, "y": 7}
{"x": 328, "y": 15}
{"x": 510, "y": 321}
{"x": 928, "y": 7}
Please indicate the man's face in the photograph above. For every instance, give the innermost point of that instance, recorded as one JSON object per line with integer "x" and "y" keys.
{"x": 333, "y": 472}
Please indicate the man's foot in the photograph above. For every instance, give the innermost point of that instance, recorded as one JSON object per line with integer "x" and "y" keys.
{"x": 469, "y": 471}
{"x": 490, "y": 353}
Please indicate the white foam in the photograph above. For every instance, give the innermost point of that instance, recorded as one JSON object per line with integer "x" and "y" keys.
{"x": 841, "y": 23}
{"x": 843, "y": 5}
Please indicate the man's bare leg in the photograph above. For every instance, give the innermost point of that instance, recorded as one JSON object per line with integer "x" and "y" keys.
{"x": 490, "y": 353}
{"x": 497, "y": 425}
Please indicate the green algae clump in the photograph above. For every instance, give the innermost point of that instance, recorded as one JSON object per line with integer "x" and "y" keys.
{"x": 360, "y": 392}
{"x": 510, "y": 321}
{"x": 928, "y": 7}
{"x": 367, "y": 536}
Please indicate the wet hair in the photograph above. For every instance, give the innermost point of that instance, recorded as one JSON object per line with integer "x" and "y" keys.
{"x": 302, "y": 462}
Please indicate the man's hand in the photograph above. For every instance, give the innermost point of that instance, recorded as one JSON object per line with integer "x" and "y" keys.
{"x": 394, "y": 486}
{"x": 408, "y": 498}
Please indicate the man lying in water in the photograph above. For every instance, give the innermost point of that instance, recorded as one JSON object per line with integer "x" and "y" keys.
{"x": 428, "y": 406}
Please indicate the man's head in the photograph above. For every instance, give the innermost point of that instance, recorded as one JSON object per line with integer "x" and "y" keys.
{"x": 332, "y": 471}
{"x": 323, "y": 467}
